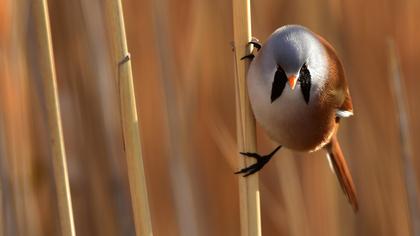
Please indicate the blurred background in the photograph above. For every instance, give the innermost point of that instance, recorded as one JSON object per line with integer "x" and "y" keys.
{"x": 184, "y": 81}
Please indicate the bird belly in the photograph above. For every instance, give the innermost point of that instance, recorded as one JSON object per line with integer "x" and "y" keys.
{"x": 289, "y": 120}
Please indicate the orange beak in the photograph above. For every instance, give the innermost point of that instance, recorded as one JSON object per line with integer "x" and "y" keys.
{"x": 292, "y": 81}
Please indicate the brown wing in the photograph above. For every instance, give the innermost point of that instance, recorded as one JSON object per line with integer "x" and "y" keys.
{"x": 347, "y": 104}
{"x": 337, "y": 83}
{"x": 341, "y": 169}
{"x": 337, "y": 94}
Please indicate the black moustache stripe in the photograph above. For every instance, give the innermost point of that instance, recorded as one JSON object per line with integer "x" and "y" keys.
{"x": 280, "y": 80}
{"x": 305, "y": 82}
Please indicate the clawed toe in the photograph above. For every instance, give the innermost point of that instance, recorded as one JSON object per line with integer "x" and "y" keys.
{"x": 249, "y": 56}
{"x": 256, "y": 43}
{"x": 251, "y": 154}
{"x": 261, "y": 161}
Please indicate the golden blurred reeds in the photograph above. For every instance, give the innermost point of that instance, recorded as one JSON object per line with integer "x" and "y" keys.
{"x": 183, "y": 74}
{"x": 400, "y": 102}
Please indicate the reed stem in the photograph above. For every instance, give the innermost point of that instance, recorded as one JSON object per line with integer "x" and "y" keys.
{"x": 130, "y": 123}
{"x": 249, "y": 195}
{"x": 47, "y": 70}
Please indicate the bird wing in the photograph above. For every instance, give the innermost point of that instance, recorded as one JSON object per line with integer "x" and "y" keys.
{"x": 337, "y": 84}
{"x": 339, "y": 166}
{"x": 347, "y": 103}
{"x": 339, "y": 93}
{"x": 346, "y": 108}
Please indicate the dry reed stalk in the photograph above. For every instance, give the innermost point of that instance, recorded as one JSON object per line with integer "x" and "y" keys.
{"x": 249, "y": 195}
{"x": 130, "y": 122}
{"x": 398, "y": 91}
{"x": 47, "y": 69}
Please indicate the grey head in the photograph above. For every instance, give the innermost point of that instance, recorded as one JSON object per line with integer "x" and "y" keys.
{"x": 292, "y": 48}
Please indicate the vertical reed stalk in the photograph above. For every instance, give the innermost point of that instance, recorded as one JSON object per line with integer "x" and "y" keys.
{"x": 248, "y": 187}
{"x": 398, "y": 91}
{"x": 47, "y": 70}
{"x": 130, "y": 123}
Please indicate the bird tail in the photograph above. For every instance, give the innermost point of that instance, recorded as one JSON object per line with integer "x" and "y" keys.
{"x": 339, "y": 166}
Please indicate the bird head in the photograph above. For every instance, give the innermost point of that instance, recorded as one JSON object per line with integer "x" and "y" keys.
{"x": 296, "y": 52}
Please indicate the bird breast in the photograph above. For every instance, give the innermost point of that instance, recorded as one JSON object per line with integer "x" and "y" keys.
{"x": 289, "y": 120}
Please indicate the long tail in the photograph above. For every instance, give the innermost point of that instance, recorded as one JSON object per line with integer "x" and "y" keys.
{"x": 341, "y": 169}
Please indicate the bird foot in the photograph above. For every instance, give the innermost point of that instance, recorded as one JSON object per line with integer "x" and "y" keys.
{"x": 257, "y": 44}
{"x": 261, "y": 161}
{"x": 249, "y": 56}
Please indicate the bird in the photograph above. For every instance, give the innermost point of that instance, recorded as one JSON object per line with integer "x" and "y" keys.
{"x": 299, "y": 94}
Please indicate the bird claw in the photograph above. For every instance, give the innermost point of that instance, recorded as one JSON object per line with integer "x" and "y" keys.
{"x": 261, "y": 161}
{"x": 249, "y": 56}
{"x": 257, "y": 44}
{"x": 251, "y": 154}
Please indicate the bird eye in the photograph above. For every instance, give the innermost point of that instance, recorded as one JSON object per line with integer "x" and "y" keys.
{"x": 305, "y": 82}
{"x": 279, "y": 82}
